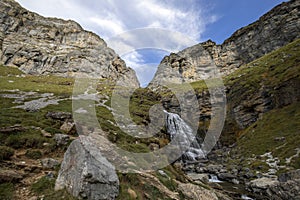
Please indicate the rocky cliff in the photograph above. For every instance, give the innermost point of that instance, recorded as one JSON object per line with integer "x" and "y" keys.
{"x": 39, "y": 45}
{"x": 275, "y": 29}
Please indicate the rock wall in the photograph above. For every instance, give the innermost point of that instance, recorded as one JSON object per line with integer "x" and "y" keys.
{"x": 39, "y": 45}
{"x": 273, "y": 30}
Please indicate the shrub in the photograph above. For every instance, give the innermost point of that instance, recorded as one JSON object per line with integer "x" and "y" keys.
{"x": 43, "y": 185}
{"x": 6, "y": 152}
{"x": 33, "y": 154}
{"x": 6, "y": 191}
{"x": 27, "y": 140}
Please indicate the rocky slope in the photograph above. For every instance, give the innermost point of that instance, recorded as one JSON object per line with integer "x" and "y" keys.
{"x": 275, "y": 29}
{"x": 39, "y": 45}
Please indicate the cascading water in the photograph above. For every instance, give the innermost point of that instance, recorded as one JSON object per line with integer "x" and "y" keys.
{"x": 184, "y": 137}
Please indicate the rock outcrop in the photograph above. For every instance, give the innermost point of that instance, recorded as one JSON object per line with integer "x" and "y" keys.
{"x": 39, "y": 45}
{"x": 287, "y": 187}
{"x": 273, "y": 30}
{"x": 86, "y": 174}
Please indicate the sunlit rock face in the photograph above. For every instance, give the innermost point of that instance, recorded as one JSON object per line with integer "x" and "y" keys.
{"x": 273, "y": 30}
{"x": 39, "y": 45}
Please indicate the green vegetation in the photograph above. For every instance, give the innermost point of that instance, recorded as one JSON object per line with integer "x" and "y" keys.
{"x": 6, "y": 153}
{"x": 41, "y": 84}
{"x": 140, "y": 103}
{"x": 271, "y": 70}
{"x": 45, "y": 186}
{"x": 33, "y": 154}
{"x": 138, "y": 184}
{"x": 262, "y": 136}
{"x": 6, "y": 191}
{"x": 9, "y": 71}
{"x": 29, "y": 139}
{"x": 10, "y": 116}
{"x": 144, "y": 187}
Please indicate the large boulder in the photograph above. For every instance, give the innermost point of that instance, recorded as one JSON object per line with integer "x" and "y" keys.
{"x": 86, "y": 174}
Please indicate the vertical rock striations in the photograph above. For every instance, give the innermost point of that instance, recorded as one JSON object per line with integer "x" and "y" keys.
{"x": 273, "y": 30}
{"x": 39, "y": 45}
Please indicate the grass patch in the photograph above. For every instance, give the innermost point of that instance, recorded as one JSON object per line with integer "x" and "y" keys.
{"x": 34, "y": 154}
{"x": 9, "y": 71}
{"x": 45, "y": 186}
{"x": 270, "y": 70}
{"x": 29, "y": 139}
{"x": 261, "y": 136}
{"x": 6, "y": 191}
{"x": 143, "y": 189}
{"x": 41, "y": 84}
{"x": 6, "y": 153}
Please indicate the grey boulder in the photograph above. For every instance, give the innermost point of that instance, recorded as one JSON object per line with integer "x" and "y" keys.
{"x": 86, "y": 174}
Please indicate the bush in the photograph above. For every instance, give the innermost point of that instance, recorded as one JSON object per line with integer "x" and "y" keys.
{"x": 43, "y": 185}
{"x": 6, "y": 191}
{"x": 33, "y": 154}
{"x": 6, "y": 153}
{"x": 29, "y": 141}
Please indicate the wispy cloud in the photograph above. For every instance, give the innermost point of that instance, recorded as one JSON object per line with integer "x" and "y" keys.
{"x": 112, "y": 17}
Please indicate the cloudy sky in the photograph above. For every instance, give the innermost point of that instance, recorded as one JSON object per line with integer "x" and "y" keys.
{"x": 188, "y": 21}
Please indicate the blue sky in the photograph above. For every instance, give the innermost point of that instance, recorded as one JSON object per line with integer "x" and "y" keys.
{"x": 198, "y": 20}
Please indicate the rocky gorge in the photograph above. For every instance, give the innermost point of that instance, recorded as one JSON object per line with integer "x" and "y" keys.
{"x": 47, "y": 154}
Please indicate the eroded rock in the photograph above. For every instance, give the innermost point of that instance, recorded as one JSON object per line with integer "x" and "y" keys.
{"x": 86, "y": 174}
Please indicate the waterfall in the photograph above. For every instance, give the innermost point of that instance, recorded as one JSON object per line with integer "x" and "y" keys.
{"x": 213, "y": 179}
{"x": 184, "y": 137}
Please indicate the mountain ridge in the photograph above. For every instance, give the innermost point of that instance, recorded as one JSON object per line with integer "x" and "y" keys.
{"x": 278, "y": 27}
{"x": 39, "y": 45}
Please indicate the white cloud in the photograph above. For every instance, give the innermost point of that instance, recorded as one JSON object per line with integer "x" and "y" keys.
{"x": 108, "y": 18}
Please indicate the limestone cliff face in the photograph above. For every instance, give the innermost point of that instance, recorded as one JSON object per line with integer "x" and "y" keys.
{"x": 275, "y": 29}
{"x": 39, "y": 45}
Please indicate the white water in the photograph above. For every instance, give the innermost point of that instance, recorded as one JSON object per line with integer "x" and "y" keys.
{"x": 246, "y": 197}
{"x": 183, "y": 135}
{"x": 213, "y": 179}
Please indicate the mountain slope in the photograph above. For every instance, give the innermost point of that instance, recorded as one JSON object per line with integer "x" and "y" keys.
{"x": 275, "y": 29}
{"x": 39, "y": 45}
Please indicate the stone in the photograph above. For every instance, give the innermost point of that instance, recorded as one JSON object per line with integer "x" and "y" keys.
{"x": 39, "y": 45}
{"x": 132, "y": 193}
{"x": 68, "y": 127}
{"x": 59, "y": 115}
{"x": 275, "y": 29}
{"x": 61, "y": 139}
{"x": 12, "y": 129}
{"x": 199, "y": 177}
{"x": 86, "y": 174}
{"x": 10, "y": 176}
{"x": 284, "y": 177}
{"x": 196, "y": 192}
{"x": 46, "y": 134}
{"x": 213, "y": 169}
{"x": 226, "y": 177}
{"x": 49, "y": 163}
{"x": 262, "y": 183}
{"x": 153, "y": 147}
